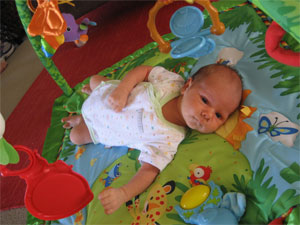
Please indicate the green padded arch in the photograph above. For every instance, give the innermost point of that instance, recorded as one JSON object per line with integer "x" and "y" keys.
{"x": 25, "y": 16}
{"x": 285, "y": 13}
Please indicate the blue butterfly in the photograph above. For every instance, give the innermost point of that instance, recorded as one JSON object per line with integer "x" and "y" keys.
{"x": 266, "y": 126}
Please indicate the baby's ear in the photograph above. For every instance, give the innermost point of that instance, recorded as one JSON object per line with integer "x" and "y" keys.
{"x": 187, "y": 84}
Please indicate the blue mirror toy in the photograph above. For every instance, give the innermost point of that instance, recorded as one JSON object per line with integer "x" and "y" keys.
{"x": 186, "y": 24}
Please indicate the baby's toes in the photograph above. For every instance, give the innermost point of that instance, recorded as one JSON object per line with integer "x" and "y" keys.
{"x": 65, "y": 119}
{"x": 67, "y": 125}
{"x": 86, "y": 89}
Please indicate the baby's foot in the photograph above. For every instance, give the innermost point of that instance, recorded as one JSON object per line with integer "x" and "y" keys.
{"x": 111, "y": 199}
{"x": 86, "y": 89}
{"x": 71, "y": 121}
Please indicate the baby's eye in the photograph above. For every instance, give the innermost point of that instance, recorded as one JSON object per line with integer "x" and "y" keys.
{"x": 204, "y": 100}
{"x": 218, "y": 115}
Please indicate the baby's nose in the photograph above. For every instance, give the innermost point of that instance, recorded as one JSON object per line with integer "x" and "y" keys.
{"x": 206, "y": 114}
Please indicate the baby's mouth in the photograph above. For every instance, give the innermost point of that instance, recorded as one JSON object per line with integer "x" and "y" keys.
{"x": 197, "y": 122}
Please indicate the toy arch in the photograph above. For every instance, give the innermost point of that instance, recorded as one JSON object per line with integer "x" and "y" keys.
{"x": 217, "y": 28}
{"x": 25, "y": 17}
{"x": 30, "y": 6}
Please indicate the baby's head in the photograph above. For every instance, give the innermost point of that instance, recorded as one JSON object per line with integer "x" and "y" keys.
{"x": 210, "y": 96}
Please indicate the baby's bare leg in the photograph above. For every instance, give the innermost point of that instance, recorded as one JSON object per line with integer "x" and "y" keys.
{"x": 79, "y": 134}
{"x": 94, "y": 82}
{"x": 113, "y": 198}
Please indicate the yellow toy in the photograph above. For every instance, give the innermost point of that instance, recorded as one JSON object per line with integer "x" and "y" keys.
{"x": 195, "y": 196}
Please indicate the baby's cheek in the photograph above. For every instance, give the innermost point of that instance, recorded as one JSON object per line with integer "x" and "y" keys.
{"x": 210, "y": 128}
{"x": 218, "y": 125}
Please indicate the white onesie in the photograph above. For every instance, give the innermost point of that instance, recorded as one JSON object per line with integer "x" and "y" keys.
{"x": 140, "y": 124}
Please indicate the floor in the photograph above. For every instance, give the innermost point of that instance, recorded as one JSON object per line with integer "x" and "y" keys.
{"x": 22, "y": 69}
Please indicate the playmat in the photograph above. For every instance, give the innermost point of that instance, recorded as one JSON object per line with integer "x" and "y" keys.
{"x": 251, "y": 163}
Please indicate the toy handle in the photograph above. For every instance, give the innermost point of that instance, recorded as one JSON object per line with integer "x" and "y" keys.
{"x": 30, "y": 6}
{"x": 273, "y": 37}
{"x": 217, "y": 28}
{"x": 6, "y": 172}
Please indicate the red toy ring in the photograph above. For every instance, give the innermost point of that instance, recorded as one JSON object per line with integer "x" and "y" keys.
{"x": 273, "y": 37}
{"x": 53, "y": 191}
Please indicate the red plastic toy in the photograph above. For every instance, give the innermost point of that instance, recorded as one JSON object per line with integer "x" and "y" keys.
{"x": 280, "y": 220}
{"x": 53, "y": 191}
{"x": 273, "y": 37}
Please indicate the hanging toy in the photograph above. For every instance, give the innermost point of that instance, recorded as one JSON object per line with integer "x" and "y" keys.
{"x": 77, "y": 33}
{"x": 193, "y": 22}
{"x": 56, "y": 28}
{"x": 274, "y": 34}
{"x": 186, "y": 24}
{"x": 48, "y": 22}
{"x": 53, "y": 191}
{"x": 7, "y": 153}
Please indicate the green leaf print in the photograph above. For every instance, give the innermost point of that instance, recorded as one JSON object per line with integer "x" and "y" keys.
{"x": 291, "y": 174}
{"x": 261, "y": 207}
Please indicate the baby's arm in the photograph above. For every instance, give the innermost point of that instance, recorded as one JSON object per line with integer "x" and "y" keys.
{"x": 119, "y": 96}
{"x": 113, "y": 198}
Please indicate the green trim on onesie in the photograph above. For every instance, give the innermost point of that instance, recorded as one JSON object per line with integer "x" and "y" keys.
{"x": 90, "y": 130}
{"x": 107, "y": 82}
{"x": 154, "y": 95}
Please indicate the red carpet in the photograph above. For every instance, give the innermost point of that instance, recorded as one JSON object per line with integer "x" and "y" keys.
{"x": 121, "y": 29}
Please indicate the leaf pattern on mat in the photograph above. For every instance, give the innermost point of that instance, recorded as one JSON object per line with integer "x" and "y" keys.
{"x": 261, "y": 197}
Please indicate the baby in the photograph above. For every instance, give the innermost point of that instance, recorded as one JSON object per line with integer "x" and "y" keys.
{"x": 149, "y": 110}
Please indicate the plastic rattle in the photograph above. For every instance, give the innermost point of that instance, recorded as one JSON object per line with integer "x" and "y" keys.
{"x": 53, "y": 191}
{"x": 195, "y": 196}
{"x": 204, "y": 205}
{"x": 217, "y": 28}
{"x": 186, "y": 23}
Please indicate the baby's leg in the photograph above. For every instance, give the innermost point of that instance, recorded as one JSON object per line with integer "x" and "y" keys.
{"x": 94, "y": 82}
{"x": 113, "y": 198}
{"x": 79, "y": 134}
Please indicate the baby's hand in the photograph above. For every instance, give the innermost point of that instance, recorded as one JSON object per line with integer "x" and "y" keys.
{"x": 111, "y": 199}
{"x": 118, "y": 99}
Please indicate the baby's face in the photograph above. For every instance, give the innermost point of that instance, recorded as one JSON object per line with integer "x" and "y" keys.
{"x": 207, "y": 103}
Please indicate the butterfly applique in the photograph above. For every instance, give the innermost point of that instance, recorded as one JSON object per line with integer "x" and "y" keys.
{"x": 274, "y": 130}
{"x": 278, "y": 127}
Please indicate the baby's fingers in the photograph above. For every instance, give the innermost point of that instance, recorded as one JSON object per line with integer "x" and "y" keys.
{"x": 115, "y": 104}
{"x": 104, "y": 199}
{"x": 112, "y": 102}
{"x": 116, "y": 107}
{"x": 109, "y": 211}
{"x": 108, "y": 201}
{"x": 107, "y": 205}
